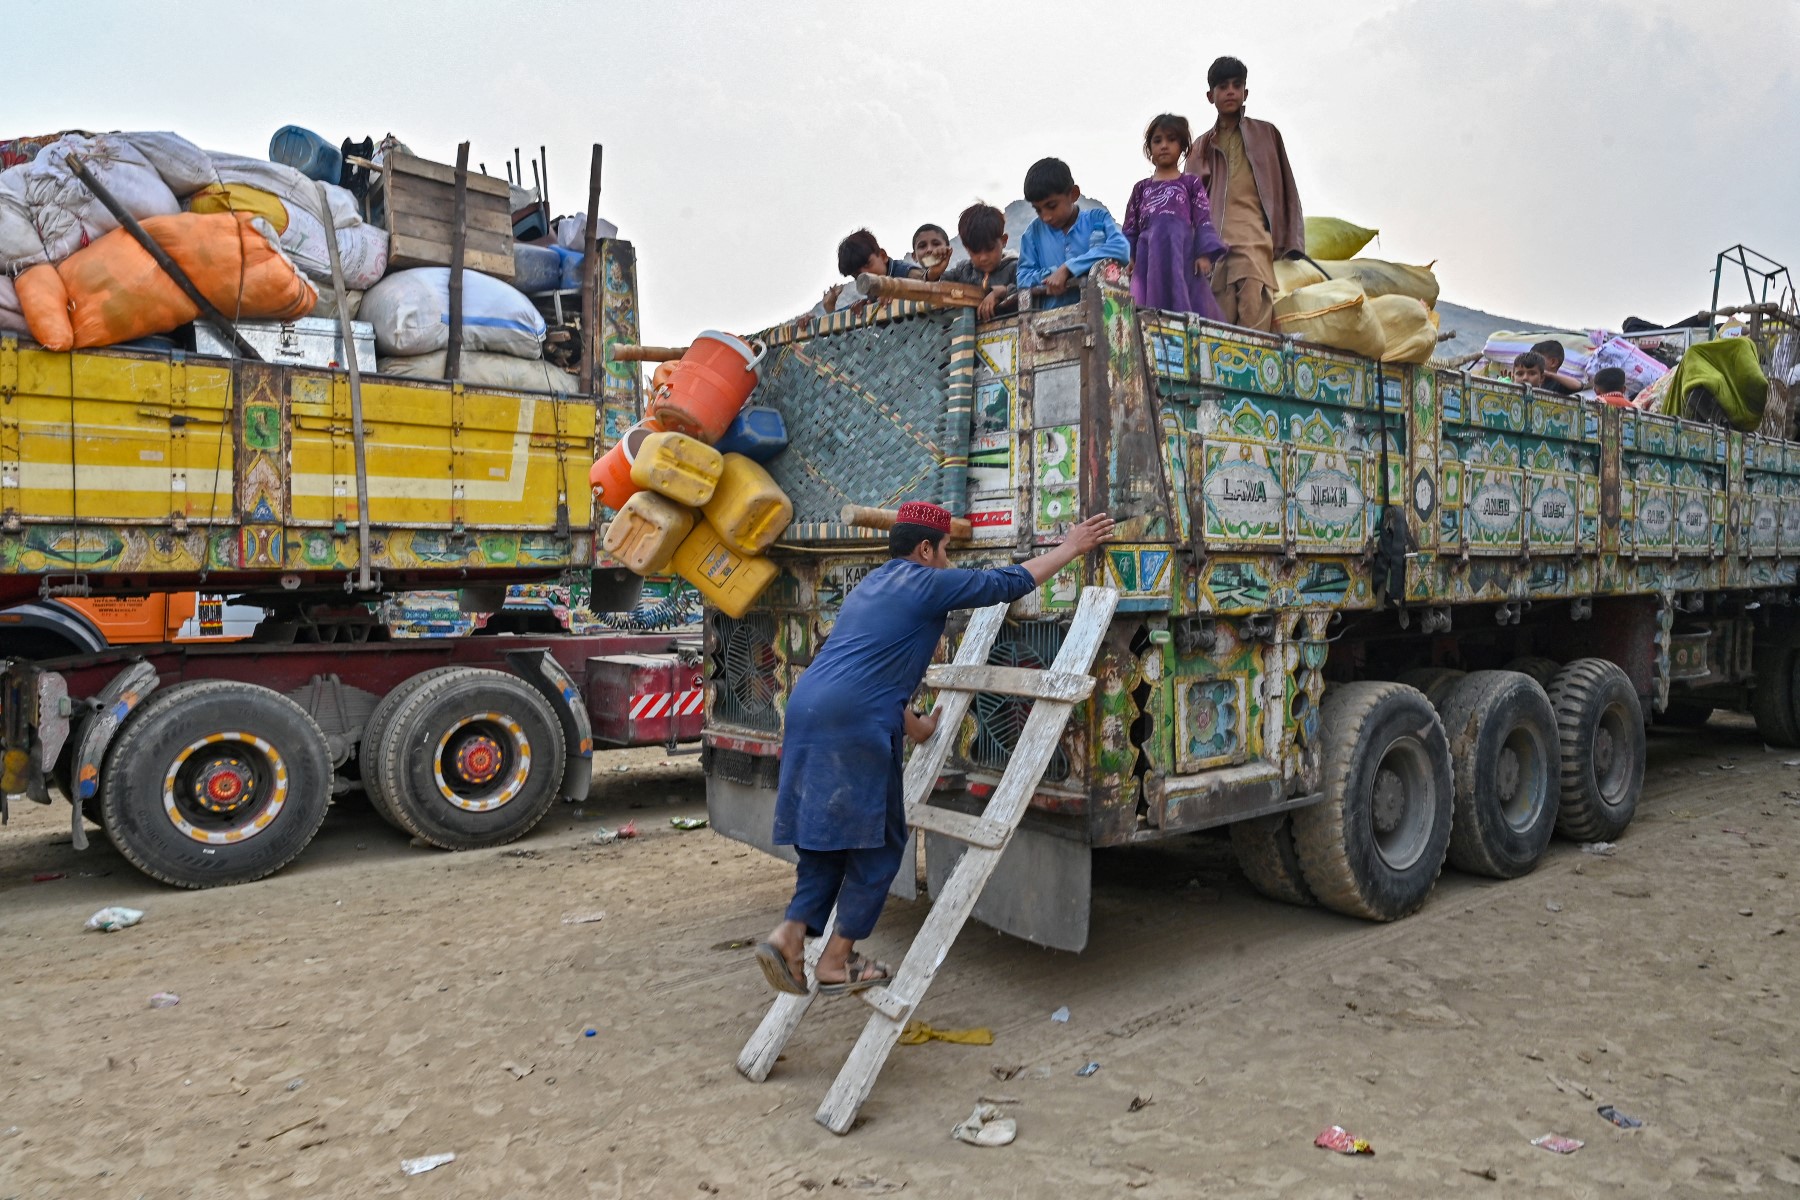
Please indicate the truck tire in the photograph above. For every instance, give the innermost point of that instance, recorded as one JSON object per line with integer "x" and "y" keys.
{"x": 1537, "y": 666}
{"x": 473, "y": 758}
{"x": 1601, "y": 729}
{"x": 1506, "y": 757}
{"x": 1374, "y": 846}
{"x": 214, "y": 783}
{"x": 376, "y": 785}
{"x": 1435, "y": 682}
{"x": 1772, "y": 700}
{"x": 1265, "y": 852}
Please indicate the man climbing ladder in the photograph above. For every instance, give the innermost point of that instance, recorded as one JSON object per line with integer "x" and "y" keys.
{"x": 840, "y": 803}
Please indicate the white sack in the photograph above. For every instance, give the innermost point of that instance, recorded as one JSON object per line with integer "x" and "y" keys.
{"x": 411, "y": 314}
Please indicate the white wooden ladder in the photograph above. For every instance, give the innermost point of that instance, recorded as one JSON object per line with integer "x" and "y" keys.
{"x": 1055, "y": 693}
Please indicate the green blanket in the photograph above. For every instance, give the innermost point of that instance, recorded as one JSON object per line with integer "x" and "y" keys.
{"x": 1728, "y": 370}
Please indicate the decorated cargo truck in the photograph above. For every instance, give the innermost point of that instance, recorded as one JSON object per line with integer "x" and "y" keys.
{"x": 130, "y": 472}
{"x": 1372, "y": 617}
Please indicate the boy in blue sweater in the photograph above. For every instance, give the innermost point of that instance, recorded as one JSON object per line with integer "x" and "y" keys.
{"x": 1065, "y": 242}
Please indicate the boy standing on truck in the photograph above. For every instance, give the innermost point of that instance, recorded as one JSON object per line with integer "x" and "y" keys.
{"x": 1066, "y": 241}
{"x": 840, "y": 802}
{"x": 1255, "y": 204}
{"x": 1553, "y": 353}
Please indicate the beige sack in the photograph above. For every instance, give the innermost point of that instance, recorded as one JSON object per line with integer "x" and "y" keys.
{"x": 1406, "y": 327}
{"x": 1381, "y": 278}
{"x": 1334, "y": 313}
{"x": 1292, "y": 274}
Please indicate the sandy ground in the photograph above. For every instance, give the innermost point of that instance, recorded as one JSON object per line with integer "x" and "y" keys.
{"x": 363, "y": 1007}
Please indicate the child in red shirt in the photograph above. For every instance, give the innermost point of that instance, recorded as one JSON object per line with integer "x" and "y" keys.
{"x": 1609, "y": 387}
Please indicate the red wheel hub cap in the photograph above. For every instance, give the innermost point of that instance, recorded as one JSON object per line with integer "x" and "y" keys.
{"x": 478, "y": 759}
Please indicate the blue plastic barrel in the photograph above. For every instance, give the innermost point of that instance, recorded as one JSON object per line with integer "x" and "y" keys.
{"x": 536, "y": 268}
{"x": 758, "y": 434}
{"x": 307, "y": 153}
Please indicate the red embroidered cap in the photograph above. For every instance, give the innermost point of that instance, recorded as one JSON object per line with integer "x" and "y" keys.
{"x": 917, "y": 512}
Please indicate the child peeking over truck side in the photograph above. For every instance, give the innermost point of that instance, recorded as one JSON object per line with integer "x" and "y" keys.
{"x": 982, "y": 228}
{"x": 1555, "y": 380}
{"x": 931, "y": 250}
{"x": 1528, "y": 369}
{"x": 861, "y": 254}
{"x": 1065, "y": 242}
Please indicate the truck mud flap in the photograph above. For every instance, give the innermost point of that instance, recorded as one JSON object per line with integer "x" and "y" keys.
{"x": 1040, "y": 890}
{"x": 540, "y": 669}
{"x": 116, "y": 701}
{"x": 745, "y": 812}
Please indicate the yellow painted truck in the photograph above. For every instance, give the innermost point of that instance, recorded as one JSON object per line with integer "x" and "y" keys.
{"x": 127, "y": 472}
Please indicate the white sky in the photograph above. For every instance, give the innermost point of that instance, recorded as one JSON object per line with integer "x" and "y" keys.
{"x": 1567, "y": 160}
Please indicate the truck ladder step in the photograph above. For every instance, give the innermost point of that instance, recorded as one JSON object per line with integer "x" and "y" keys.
{"x": 1011, "y": 681}
{"x": 976, "y": 831}
{"x": 1055, "y": 693}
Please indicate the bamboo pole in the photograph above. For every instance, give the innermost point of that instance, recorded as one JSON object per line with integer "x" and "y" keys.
{"x": 347, "y": 331}
{"x": 887, "y": 518}
{"x": 624, "y": 353}
{"x": 590, "y": 280}
{"x": 458, "y": 237}
{"x": 947, "y": 295}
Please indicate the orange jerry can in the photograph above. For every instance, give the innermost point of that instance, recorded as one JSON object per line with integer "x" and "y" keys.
{"x": 610, "y": 476}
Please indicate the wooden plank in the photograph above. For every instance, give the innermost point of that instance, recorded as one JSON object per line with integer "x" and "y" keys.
{"x": 784, "y": 1016}
{"x": 398, "y": 167}
{"x": 438, "y": 224}
{"x": 976, "y": 831}
{"x": 411, "y": 252}
{"x": 1012, "y": 681}
{"x": 950, "y": 910}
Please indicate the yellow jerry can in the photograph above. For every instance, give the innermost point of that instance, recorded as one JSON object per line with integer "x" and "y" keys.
{"x": 647, "y": 532}
{"x": 730, "y": 581}
{"x": 684, "y": 469}
{"x": 748, "y": 509}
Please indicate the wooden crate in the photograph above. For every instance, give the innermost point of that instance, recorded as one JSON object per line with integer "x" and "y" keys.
{"x": 420, "y": 203}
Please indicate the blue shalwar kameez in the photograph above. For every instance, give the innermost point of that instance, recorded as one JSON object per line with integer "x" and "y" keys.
{"x": 840, "y": 803}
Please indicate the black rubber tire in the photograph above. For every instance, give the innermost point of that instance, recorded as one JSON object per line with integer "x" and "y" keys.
{"x": 1265, "y": 852}
{"x": 292, "y": 769}
{"x": 1435, "y": 682}
{"x": 530, "y": 741}
{"x": 1386, "y": 736}
{"x": 1772, "y": 700}
{"x": 1685, "y": 714}
{"x": 375, "y": 784}
{"x": 1537, "y": 666}
{"x": 1506, "y": 756}
{"x": 1600, "y": 725}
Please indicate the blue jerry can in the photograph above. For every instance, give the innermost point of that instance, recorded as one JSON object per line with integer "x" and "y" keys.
{"x": 759, "y": 434}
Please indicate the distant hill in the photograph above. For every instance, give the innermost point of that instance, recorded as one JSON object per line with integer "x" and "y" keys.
{"x": 1472, "y": 328}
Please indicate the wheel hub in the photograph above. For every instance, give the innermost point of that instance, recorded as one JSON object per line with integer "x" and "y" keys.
{"x": 1506, "y": 773}
{"x": 223, "y": 785}
{"x": 1603, "y": 750}
{"x": 478, "y": 759}
{"x": 1390, "y": 800}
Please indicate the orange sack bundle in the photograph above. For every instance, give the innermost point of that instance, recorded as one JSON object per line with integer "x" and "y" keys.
{"x": 112, "y": 291}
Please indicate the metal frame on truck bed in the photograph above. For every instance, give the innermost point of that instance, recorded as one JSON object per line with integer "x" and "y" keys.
{"x": 1372, "y": 617}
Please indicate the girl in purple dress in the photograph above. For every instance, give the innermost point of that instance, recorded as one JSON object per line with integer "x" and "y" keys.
{"x": 1168, "y": 222}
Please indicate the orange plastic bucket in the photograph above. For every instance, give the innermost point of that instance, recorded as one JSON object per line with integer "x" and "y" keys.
{"x": 610, "y": 476}
{"x": 709, "y": 385}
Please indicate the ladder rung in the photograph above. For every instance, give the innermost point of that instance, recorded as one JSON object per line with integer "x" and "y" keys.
{"x": 976, "y": 831}
{"x": 1061, "y": 686}
{"x": 883, "y": 1001}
